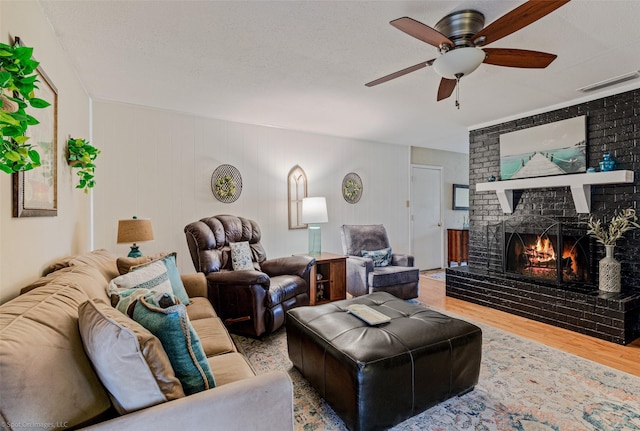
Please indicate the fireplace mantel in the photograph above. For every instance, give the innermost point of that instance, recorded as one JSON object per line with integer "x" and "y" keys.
{"x": 580, "y": 185}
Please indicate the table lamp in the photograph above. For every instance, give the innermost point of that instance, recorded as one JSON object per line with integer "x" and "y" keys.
{"x": 134, "y": 230}
{"x": 314, "y": 211}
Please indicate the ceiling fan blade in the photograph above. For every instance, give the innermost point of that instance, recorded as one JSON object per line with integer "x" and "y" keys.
{"x": 399, "y": 73}
{"x": 518, "y": 18}
{"x": 518, "y": 58}
{"x": 421, "y": 31}
{"x": 446, "y": 88}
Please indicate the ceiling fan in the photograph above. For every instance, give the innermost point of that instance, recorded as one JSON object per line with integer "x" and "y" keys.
{"x": 459, "y": 36}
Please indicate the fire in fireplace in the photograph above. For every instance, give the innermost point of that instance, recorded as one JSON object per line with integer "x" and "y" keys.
{"x": 539, "y": 256}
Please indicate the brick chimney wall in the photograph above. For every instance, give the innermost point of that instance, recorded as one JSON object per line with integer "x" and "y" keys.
{"x": 613, "y": 125}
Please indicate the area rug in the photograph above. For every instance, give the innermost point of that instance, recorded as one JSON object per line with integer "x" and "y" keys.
{"x": 440, "y": 276}
{"x": 523, "y": 386}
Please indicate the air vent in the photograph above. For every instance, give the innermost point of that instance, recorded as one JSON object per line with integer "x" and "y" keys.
{"x": 611, "y": 81}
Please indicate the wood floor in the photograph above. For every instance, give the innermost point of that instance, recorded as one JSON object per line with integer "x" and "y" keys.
{"x": 624, "y": 358}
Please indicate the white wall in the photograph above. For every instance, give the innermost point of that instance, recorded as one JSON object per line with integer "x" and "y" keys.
{"x": 28, "y": 245}
{"x": 158, "y": 164}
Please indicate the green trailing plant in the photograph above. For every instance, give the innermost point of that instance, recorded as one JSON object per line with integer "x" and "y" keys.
{"x": 82, "y": 156}
{"x": 18, "y": 81}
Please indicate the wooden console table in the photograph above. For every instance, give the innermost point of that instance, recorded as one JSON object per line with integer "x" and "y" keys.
{"x": 457, "y": 246}
{"x": 333, "y": 284}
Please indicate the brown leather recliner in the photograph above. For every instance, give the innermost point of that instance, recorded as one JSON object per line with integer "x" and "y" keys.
{"x": 250, "y": 302}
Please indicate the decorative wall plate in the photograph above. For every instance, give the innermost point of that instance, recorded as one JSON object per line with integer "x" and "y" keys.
{"x": 226, "y": 183}
{"x": 352, "y": 188}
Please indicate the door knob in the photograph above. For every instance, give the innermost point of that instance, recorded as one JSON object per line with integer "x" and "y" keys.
{"x": 439, "y": 224}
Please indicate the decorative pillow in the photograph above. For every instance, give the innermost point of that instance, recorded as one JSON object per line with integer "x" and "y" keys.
{"x": 380, "y": 257}
{"x": 125, "y": 264}
{"x": 129, "y": 360}
{"x": 172, "y": 326}
{"x": 153, "y": 277}
{"x": 126, "y": 301}
{"x": 241, "y": 256}
{"x": 169, "y": 261}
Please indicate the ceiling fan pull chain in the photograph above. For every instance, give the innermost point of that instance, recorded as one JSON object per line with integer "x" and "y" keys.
{"x": 458, "y": 90}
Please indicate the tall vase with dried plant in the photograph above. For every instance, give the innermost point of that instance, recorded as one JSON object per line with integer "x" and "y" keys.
{"x": 609, "y": 268}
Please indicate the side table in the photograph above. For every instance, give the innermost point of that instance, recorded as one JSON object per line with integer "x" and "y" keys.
{"x": 328, "y": 278}
{"x": 457, "y": 246}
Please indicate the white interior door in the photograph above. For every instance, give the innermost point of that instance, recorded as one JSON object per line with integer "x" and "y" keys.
{"x": 426, "y": 216}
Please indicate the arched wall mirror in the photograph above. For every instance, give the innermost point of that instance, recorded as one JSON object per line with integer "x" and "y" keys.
{"x": 297, "y": 184}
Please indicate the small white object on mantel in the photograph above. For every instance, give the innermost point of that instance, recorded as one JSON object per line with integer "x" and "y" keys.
{"x": 580, "y": 185}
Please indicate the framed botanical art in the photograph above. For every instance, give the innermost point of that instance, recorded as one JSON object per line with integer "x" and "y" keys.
{"x": 352, "y": 188}
{"x": 226, "y": 183}
{"x": 35, "y": 192}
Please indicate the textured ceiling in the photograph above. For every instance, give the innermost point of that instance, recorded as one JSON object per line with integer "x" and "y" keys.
{"x": 302, "y": 65}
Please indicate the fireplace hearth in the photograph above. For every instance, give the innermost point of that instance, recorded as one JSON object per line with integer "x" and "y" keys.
{"x": 609, "y": 316}
{"x": 546, "y": 269}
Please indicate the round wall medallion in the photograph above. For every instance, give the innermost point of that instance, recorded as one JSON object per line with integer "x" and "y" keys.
{"x": 352, "y": 188}
{"x": 226, "y": 183}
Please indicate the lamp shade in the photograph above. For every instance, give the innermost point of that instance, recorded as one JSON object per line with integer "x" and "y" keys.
{"x": 134, "y": 230}
{"x": 314, "y": 210}
{"x": 459, "y": 61}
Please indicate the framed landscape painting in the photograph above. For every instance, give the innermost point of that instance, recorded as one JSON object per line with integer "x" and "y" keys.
{"x": 460, "y": 196}
{"x": 551, "y": 149}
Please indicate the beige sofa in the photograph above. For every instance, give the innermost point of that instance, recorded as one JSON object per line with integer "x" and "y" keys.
{"x": 47, "y": 381}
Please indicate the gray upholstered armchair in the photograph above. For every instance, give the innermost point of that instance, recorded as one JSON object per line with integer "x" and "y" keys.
{"x": 397, "y": 275}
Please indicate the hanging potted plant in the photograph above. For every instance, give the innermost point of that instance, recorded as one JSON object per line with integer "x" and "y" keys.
{"x": 81, "y": 156}
{"x": 18, "y": 81}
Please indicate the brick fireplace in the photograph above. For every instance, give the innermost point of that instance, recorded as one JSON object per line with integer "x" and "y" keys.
{"x": 537, "y": 261}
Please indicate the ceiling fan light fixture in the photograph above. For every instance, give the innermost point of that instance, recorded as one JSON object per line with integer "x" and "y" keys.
{"x": 458, "y": 62}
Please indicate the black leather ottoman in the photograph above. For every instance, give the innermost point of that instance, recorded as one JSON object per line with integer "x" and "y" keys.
{"x": 377, "y": 376}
